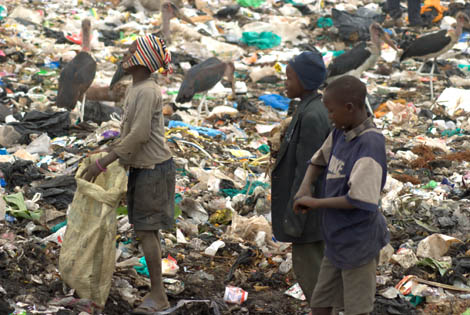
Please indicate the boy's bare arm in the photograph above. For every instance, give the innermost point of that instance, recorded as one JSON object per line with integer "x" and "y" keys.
{"x": 305, "y": 203}
{"x": 311, "y": 175}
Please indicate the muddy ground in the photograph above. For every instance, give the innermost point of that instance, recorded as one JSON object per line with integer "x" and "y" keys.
{"x": 28, "y": 273}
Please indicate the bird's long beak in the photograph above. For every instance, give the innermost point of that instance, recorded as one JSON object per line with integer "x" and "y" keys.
{"x": 118, "y": 75}
{"x": 180, "y": 15}
{"x": 389, "y": 41}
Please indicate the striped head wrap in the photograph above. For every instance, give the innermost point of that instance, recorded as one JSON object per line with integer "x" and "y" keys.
{"x": 152, "y": 53}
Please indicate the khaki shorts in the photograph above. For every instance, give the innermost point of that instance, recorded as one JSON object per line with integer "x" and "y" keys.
{"x": 151, "y": 197}
{"x": 350, "y": 289}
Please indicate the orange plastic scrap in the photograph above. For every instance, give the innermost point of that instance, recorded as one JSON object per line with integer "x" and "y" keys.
{"x": 252, "y": 59}
{"x": 383, "y": 108}
{"x": 406, "y": 284}
{"x": 381, "y": 111}
{"x": 436, "y": 4}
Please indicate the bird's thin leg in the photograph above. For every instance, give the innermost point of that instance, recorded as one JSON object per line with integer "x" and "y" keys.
{"x": 201, "y": 104}
{"x": 82, "y": 108}
{"x": 421, "y": 68}
{"x": 431, "y": 77}
{"x": 205, "y": 103}
{"x": 368, "y": 106}
{"x": 199, "y": 112}
{"x": 433, "y": 66}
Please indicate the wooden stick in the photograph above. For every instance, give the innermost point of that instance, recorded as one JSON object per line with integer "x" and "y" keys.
{"x": 441, "y": 285}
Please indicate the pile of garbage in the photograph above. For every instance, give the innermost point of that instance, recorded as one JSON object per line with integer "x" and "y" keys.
{"x": 222, "y": 258}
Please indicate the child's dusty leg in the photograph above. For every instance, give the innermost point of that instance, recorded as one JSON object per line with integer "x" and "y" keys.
{"x": 152, "y": 251}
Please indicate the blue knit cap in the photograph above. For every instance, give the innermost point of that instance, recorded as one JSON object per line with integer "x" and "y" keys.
{"x": 310, "y": 69}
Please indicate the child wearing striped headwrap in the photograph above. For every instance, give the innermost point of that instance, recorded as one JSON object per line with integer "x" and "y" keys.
{"x": 143, "y": 150}
{"x": 151, "y": 52}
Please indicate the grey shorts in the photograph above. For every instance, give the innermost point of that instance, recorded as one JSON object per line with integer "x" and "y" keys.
{"x": 151, "y": 197}
{"x": 350, "y": 289}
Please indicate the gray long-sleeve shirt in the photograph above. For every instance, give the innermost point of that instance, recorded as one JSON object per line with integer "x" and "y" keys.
{"x": 142, "y": 143}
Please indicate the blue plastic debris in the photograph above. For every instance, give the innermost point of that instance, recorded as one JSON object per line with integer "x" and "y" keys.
{"x": 10, "y": 218}
{"x": 275, "y": 101}
{"x": 201, "y": 130}
{"x": 52, "y": 65}
{"x": 464, "y": 37}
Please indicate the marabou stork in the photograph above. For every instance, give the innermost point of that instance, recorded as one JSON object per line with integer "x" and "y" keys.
{"x": 431, "y": 46}
{"x": 203, "y": 77}
{"x": 77, "y": 76}
{"x": 168, "y": 8}
{"x": 360, "y": 58}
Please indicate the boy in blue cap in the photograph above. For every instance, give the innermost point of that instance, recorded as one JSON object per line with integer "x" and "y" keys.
{"x": 354, "y": 230}
{"x": 308, "y": 129}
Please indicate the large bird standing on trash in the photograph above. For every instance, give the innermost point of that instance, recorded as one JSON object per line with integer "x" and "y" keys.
{"x": 77, "y": 76}
{"x": 431, "y": 46}
{"x": 203, "y": 77}
{"x": 168, "y": 8}
{"x": 360, "y": 58}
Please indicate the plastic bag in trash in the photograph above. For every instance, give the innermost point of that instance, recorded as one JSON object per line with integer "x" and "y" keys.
{"x": 202, "y": 130}
{"x": 263, "y": 40}
{"x": 275, "y": 101}
{"x": 355, "y": 27}
{"x": 40, "y": 145}
{"x": 250, "y": 3}
{"x": 55, "y": 124}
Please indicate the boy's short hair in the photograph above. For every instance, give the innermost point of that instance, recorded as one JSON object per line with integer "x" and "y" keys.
{"x": 348, "y": 89}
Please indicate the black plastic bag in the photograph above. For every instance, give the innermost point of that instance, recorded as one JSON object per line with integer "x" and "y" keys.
{"x": 98, "y": 112}
{"x": 55, "y": 124}
{"x": 355, "y": 27}
{"x": 57, "y": 191}
{"x": 20, "y": 173}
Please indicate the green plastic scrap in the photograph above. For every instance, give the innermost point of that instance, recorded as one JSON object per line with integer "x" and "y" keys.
{"x": 46, "y": 73}
{"x": 264, "y": 148}
{"x": 450, "y": 133}
{"x": 250, "y": 3}
{"x": 121, "y": 210}
{"x": 58, "y": 226}
{"x": 178, "y": 211}
{"x": 263, "y": 40}
{"x": 441, "y": 266}
{"x": 17, "y": 207}
{"x": 336, "y": 53}
{"x": 3, "y": 12}
{"x": 431, "y": 185}
{"x": 324, "y": 22}
{"x": 251, "y": 186}
{"x": 142, "y": 270}
{"x": 465, "y": 67}
{"x": 467, "y": 312}
{"x": 178, "y": 198}
{"x": 292, "y": 2}
{"x": 415, "y": 300}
